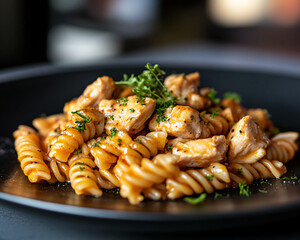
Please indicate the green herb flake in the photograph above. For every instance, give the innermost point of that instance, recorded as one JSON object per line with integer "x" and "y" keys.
{"x": 192, "y": 117}
{"x": 197, "y": 200}
{"x": 79, "y": 163}
{"x": 81, "y": 123}
{"x": 111, "y": 117}
{"x": 240, "y": 171}
{"x": 212, "y": 95}
{"x": 235, "y": 96}
{"x": 131, "y": 110}
{"x": 285, "y": 178}
{"x": 263, "y": 181}
{"x": 78, "y": 151}
{"x": 262, "y": 191}
{"x": 244, "y": 189}
{"x": 139, "y": 141}
{"x": 294, "y": 178}
{"x": 113, "y": 132}
{"x": 215, "y": 113}
{"x": 218, "y": 195}
{"x": 210, "y": 178}
{"x": 150, "y": 84}
{"x": 96, "y": 144}
{"x": 274, "y": 131}
{"x": 81, "y": 169}
{"x": 169, "y": 147}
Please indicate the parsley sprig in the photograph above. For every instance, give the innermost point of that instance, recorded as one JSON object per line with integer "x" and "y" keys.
{"x": 150, "y": 84}
{"x": 197, "y": 200}
{"x": 235, "y": 96}
{"x": 81, "y": 123}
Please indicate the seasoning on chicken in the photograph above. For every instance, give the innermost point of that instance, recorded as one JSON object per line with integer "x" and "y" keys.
{"x": 185, "y": 88}
{"x": 201, "y": 152}
{"x": 102, "y": 88}
{"x": 181, "y": 121}
{"x": 127, "y": 114}
{"x": 247, "y": 142}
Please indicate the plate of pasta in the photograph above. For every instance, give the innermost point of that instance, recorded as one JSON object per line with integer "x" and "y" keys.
{"x": 127, "y": 142}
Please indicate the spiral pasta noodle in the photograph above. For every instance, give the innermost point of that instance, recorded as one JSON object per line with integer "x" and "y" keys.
{"x": 85, "y": 124}
{"x": 247, "y": 173}
{"x": 30, "y": 155}
{"x": 145, "y": 176}
{"x": 192, "y": 181}
{"x": 283, "y": 147}
{"x": 82, "y": 176}
{"x": 217, "y": 125}
{"x": 59, "y": 170}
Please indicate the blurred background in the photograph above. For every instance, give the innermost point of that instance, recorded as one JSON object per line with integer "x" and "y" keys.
{"x": 89, "y": 31}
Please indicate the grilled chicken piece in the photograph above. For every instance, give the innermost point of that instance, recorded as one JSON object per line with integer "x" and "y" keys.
{"x": 122, "y": 92}
{"x": 182, "y": 121}
{"x": 129, "y": 115}
{"x": 260, "y": 117}
{"x": 102, "y": 88}
{"x": 186, "y": 89}
{"x": 201, "y": 152}
{"x": 247, "y": 142}
{"x": 238, "y": 111}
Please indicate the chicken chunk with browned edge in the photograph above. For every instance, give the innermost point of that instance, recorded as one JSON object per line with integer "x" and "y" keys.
{"x": 181, "y": 121}
{"x": 102, "y": 88}
{"x": 247, "y": 142}
{"x": 128, "y": 114}
{"x": 201, "y": 152}
{"x": 185, "y": 89}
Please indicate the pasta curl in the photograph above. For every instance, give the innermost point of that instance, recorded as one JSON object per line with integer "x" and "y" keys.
{"x": 283, "y": 147}
{"x": 82, "y": 176}
{"x": 247, "y": 173}
{"x": 145, "y": 176}
{"x": 215, "y": 177}
{"x": 30, "y": 155}
{"x": 86, "y": 124}
{"x": 218, "y": 125}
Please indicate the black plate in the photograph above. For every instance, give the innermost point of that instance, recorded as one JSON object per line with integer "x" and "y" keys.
{"x": 26, "y": 94}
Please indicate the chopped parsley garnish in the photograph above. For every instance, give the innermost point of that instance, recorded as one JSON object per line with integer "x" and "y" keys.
{"x": 202, "y": 113}
{"x": 274, "y": 131}
{"x": 81, "y": 169}
{"x": 212, "y": 95}
{"x": 210, "y": 178}
{"x": 263, "y": 181}
{"x": 192, "y": 117}
{"x": 215, "y": 113}
{"x": 218, "y": 195}
{"x": 262, "y": 191}
{"x": 285, "y": 178}
{"x": 78, "y": 151}
{"x": 240, "y": 171}
{"x": 235, "y": 96}
{"x": 244, "y": 189}
{"x": 150, "y": 84}
{"x": 96, "y": 144}
{"x": 79, "y": 163}
{"x": 169, "y": 147}
{"x": 294, "y": 178}
{"x": 81, "y": 123}
{"x": 197, "y": 200}
{"x": 111, "y": 117}
{"x": 131, "y": 110}
{"x": 113, "y": 132}
{"x": 139, "y": 141}
{"x": 268, "y": 115}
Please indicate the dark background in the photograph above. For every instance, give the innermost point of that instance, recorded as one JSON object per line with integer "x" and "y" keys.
{"x": 89, "y": 31}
